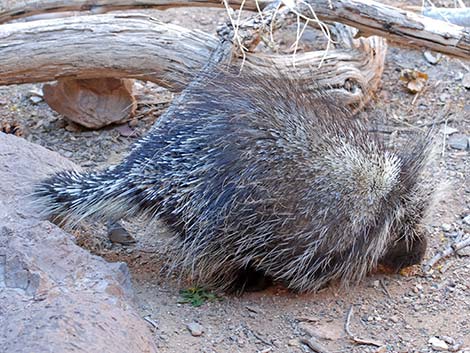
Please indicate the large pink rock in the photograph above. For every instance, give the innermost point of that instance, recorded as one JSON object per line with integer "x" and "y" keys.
{"x": 54, "y": 295}
{"x": 93, "y": 103}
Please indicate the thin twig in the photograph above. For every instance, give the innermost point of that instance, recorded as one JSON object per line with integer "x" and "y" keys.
{"x": 384, "y": 287}
{"x": 258, "y": 336}
{"x": 313, "y": 344}
{"x": 451, "y": 249}
{"x": 356, "y": 339}
{"x": 151, "y": 321}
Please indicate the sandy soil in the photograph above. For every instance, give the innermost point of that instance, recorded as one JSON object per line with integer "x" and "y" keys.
{"x": 401, "y": 312}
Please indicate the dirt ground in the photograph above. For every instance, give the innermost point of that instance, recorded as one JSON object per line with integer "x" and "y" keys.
{"x": 402, "y": 312}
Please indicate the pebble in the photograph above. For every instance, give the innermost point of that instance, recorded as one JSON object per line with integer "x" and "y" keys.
{"x": 464, "y": 251}
{"x": 458, "y": 142}
{"x": 466, "y": 219}
{"x": 466, "y": 80}
{"x": 35, "y": 99}
{"x": 448, "y": 340}
{"x": 293, "y": 343}
{"x": 35, "y": 92}
{"x": 449, "y": 130}
{"x": 446, "y": 227}
{"x": 394, "y": 319}
{"x": 432, "y": 58}
{"x": 438, "y": 344}
{"x": 195, "y": 329}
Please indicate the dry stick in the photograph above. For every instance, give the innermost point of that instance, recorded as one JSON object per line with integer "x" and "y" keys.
{"x": 374, "y": 18}
{"x": 356, "y": 339}
{"x": 456, "y": 16}
{"x": 150, "y": 321}
{"x": 453, "y": 248}
{"x": 385, "y": 289}
{"x": 12, "y": 10}
{"x": 176, "y": 50}
{"x": 313, "y": 344}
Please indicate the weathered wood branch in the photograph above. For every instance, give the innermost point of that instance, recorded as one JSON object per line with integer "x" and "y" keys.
{"x": 11, "y": 10}
{"x": 370, "y": 17}
{"x": 460, "y": 16}
{"x": 407, "y": 28}
{"x": 138, "y": 46}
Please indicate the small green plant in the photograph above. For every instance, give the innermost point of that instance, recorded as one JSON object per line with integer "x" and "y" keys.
{"x": 196, "y": 296}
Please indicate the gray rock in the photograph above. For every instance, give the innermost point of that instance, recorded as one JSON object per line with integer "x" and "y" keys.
{"x": 195, "y": 329}
{"x": 464, "y": 252}
{"x": 438, "y": 344}
{"x": 459, "y": 142}
{"x": 466, "y": 80}
{"x": 447, "y": 130}
{"x": 432, "y": 58}
{"x": 446, "y": 227}
{"x": 54, "y": 295}
{"x": 466, "y": 219}
{"x": 35, "y": 99}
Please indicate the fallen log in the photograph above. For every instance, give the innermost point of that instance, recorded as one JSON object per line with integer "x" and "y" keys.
{"x": 141, "y": 47}
{"x": 370, "y": 17}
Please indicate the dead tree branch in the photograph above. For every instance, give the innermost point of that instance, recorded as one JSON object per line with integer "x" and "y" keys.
{"x": 407, "y": 28}
{"x": 12, "y": 10}
{"x": 453, "y": 248}
{"x": 370, "y": 17}
{"x": 353, "y": 337}
{"x": 171, "y": 56}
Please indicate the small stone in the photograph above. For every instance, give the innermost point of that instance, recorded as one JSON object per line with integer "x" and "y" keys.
{"x": 394, "y": 319}
{"x": 466, "y": 80}
{"x": 382, "y": 349}
{"x": 438, "y": 344}
{"x": 72, "y": 127}
{"x": 449, "y": 130}
{"x": 35, "y": 99}
{"x": 466, "y": 219}
{"x": 464, "y": 252}
{"x": 448, "y": 339}
{"x": 195, "y": 329}
{"x": 432, "y": 58}
{"x": 444, "y": 97}
{"x": 35, "y": 92}
{"x": 458, "y": 142}
{"x": 446, "y": 227}
{"x": 293, "y": 342}
{"x": 125, "y": 130}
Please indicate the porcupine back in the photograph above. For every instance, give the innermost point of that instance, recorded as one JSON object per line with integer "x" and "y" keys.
{"x": 261, "y": 174}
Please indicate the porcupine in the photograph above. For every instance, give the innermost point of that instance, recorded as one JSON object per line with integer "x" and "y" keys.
{"x": 265, "y": 177}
